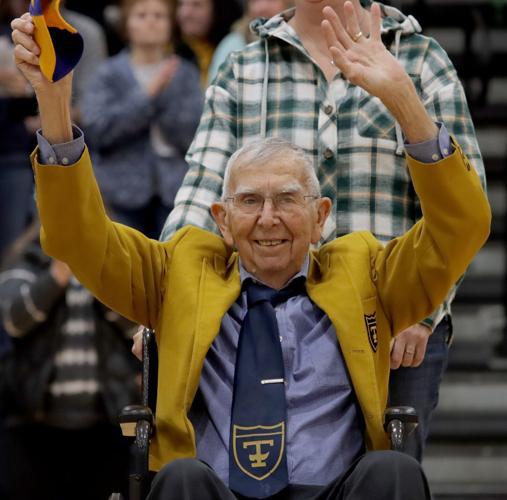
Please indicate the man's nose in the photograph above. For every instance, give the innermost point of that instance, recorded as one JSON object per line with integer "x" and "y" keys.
{"x": 269, "y": 213}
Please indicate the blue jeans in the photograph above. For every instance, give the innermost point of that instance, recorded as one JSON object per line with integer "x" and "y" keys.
{"x": 419, "y": 387}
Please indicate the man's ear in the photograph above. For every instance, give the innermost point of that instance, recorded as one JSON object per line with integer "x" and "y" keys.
{"x": 324, "y": 206}
{"x": 219, "y": 213}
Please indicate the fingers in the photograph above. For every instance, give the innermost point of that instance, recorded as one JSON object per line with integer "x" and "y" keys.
{"x": 22, "y": 55}
{"x": 404, "y": 355}
{"x": 23, "y": 24}
{"x": 376, "y": 22}
{"x": 397, "y": 352}
{"x": 353, "y": 28}
{"x": 418, "y": 357}
{"x": 409, "y": 347}
{"x": 339, "y": 32}
{"x": 25, "y": 48}
{"x": 408, "y": 356}
{"x": 26, "y": 41}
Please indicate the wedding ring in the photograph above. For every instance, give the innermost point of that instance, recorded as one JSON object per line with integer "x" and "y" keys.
{"x": 409, "y": 351}
{"x": 357, "y": 36}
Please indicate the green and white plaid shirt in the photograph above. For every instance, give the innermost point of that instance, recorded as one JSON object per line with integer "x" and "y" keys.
{"x": 274, "y": 88}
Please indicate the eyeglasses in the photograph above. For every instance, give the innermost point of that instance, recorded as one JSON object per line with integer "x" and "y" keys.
{"x": 286, "y": 202}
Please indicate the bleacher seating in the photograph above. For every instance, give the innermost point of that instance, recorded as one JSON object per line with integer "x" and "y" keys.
{"x": 466, "y": 457}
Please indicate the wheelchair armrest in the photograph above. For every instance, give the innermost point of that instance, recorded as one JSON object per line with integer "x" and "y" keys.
{"x": 137, "y": 421}
{"x": 399, "y": 422}
{"x": 131, "y": 415}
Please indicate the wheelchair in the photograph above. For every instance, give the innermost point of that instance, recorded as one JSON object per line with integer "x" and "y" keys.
{"x": 138, "y": 422}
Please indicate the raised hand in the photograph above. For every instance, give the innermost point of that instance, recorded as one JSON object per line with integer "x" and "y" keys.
{"x": 362, "y": 57}
{"x": 26, "y": 56}
{"x": 53, "y": 98}
{"x": 365, "y": 61}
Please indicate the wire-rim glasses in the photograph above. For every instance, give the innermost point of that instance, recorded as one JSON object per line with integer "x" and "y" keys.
{"x": 284, "y": 202}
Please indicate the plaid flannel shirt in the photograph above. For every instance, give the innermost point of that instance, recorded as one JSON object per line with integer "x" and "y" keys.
{"x": 274, "y": 88}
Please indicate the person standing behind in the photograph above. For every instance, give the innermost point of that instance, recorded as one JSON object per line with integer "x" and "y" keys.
{"x": 241, "y": 34}
{"x": 286, "y": 85}
{"x": 200, "y": 26}
{"x": 140, "y": 111}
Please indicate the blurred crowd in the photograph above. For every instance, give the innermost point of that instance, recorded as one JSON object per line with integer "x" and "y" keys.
{"x": 138, "y": 98}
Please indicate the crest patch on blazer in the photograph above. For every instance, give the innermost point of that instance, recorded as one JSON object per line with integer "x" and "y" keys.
{"x": 371, "y": 328}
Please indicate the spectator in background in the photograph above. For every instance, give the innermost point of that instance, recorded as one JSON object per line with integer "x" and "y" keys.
{"x": 241, "y": 34}
{"x": 18, "y": 123}
{"x": 140, "y": 111}
{"x": 200, "y": 27}
{"x": 95, "y": 48}
{"x": 67, "y": 377}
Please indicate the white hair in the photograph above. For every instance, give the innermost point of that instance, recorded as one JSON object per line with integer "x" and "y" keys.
{"x": 261, "y": 151}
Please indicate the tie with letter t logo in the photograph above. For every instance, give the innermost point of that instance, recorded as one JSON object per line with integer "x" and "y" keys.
{"x": 257, "y": 456}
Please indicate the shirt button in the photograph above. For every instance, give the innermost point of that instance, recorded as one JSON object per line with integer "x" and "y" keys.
{"x": 65, "y": 161}
{"x": 328, "y": 109}
{"x": 328, "y": 154}
{"x": 435, "y": 157}
{"x": 51, "y": 159}
{"x": 446, "y": 151}
{"x": 281, "y": 338}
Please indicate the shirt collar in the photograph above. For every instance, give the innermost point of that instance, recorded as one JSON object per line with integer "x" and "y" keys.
{"x": 244, "y": 274}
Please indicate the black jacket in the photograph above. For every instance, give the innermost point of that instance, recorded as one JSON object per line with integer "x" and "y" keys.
{"x": 26, "y": 370}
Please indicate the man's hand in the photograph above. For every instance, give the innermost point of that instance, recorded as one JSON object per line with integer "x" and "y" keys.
{"x": 366, "y": 62}
{"x": 409, "y": 346}
{"x": 53, "y": 98}
{"x": 26, "y": 57}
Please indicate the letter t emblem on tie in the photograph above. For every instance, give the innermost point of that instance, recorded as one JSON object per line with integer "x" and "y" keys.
{"x": 257, "y": 455}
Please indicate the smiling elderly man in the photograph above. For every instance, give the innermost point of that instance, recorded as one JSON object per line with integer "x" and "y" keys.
{"x": 274, "y": 358}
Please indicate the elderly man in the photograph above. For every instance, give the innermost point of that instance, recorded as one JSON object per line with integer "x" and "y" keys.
{"x": 286, "y": 85}
{"x": 274, "y": 359}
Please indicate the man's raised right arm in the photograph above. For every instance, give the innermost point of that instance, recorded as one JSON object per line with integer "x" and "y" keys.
{"x": 120, "y": 266}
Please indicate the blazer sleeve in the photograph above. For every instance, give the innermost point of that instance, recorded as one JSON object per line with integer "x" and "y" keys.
{"x": 119, "y": 265}
{"x": 414, "y": 272}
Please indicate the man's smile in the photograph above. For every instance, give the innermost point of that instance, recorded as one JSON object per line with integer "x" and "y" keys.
{"x": 270, "y": 243}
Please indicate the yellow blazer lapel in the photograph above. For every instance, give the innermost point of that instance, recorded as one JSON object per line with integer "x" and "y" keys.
{"x": 218, "y": 290}
{"x": 331, "y": 288}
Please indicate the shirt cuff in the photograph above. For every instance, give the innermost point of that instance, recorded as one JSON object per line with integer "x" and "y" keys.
{"x": 432, "y": 150}
{"x": 66, "y": 153}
